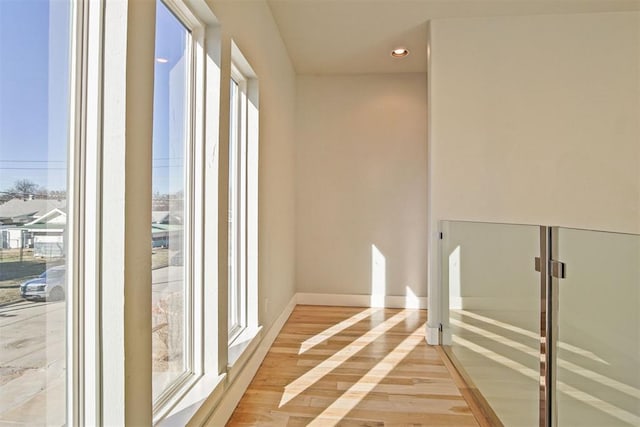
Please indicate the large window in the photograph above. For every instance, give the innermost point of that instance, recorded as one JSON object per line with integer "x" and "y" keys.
{"x": 92, "y": 331}
{"x": 242, "y": 307}
{"x": 171, "y": 203}
{"x": 35, "y": 142}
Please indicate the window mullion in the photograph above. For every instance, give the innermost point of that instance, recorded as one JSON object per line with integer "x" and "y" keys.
{"x": 189, "y": 209}
{"x": 235, "y": 188}
{"x": 86, "y": 246}
{"x": 198, "y": 93}
{"x": 74, "y": 237}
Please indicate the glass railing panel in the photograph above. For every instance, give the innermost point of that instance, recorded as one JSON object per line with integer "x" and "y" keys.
{"x": 493, "y": 311}
{"x": 598, "y": 348}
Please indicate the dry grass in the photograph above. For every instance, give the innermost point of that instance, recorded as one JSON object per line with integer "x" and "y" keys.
{"x": 159, "y": 258}
{"x": 8, "y": 295}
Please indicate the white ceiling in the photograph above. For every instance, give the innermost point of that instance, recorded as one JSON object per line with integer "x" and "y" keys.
{"x": 357, "y": 36}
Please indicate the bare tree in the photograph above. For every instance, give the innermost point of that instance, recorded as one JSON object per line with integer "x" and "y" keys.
{"x": 24, "y": 188}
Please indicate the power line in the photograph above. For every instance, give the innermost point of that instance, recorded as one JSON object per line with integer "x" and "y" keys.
{"x": 3, "y": 168}
{"x": 32, "y": 161}
{"x": 64, "y": 161}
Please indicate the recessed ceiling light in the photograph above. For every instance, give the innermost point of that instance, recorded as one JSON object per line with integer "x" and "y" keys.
{"x": 162, "y": 60}
{"x": 400, "y": 52}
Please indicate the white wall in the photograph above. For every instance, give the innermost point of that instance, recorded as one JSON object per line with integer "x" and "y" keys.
{"x": 535, "y": 120}
{"x": 251, "y": 26}
{"x": 361, "y": 170}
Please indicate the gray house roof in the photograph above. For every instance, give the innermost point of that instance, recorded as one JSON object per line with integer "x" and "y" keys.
{"x": 159, "y": 217}
{"x": 19, "y": 211}
{"x": 166, "y": 217}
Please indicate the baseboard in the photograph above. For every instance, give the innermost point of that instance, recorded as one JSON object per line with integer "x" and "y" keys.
{"x": 354, "y": 300}
{"x": 433, "y": 336}
{"x": 232, "y": 395}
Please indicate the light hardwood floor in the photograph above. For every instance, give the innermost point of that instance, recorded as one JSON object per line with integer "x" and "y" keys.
{"x": 352, "y": 366}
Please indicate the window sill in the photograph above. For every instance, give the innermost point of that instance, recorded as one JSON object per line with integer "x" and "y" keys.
{"x": 185, "y": 407}
{"x": 241, "y": 349}
{"x": 212, "y": 386}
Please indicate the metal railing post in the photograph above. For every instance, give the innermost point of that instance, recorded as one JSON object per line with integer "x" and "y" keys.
{"x": 548, "y": 309}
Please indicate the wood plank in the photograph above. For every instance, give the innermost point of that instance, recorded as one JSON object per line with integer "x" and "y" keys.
{"x": 353, "y": 366}
{"x": 480, "y": 407}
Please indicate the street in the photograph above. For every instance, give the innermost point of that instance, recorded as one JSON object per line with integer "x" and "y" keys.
{"x": 32, "y": 363}
{"x": 32, "y": 354}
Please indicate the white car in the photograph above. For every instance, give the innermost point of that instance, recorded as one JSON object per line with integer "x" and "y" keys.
{"x": 49, "y": 286}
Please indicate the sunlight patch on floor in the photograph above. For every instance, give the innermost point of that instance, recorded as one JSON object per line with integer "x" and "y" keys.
{"x": 305, "y": 381}
{"x": 348, "y": 401}
{"x": 335, "y": 330}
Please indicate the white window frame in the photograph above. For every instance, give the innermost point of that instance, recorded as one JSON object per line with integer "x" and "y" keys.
{"x": 84, "y": 216}
{"x": 205, "y": 379}
{"x": 247, "y": 230}
{"x": 82, "y": 353}
{"x": 82, "y": 298}
{"x": 191, "y": 27}
{"x": 124, "y": 330}
{"x": 238, "y": 184}
{"x": 194, "y": 155}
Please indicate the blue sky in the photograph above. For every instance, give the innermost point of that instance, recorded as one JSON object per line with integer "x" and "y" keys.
{"x": 31, "y": 148}
{"x": 34, "y": 85}
{"x": 169, "y": 101}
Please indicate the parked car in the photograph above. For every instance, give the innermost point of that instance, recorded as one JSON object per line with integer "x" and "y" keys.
{"x": 49, "y": 286}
